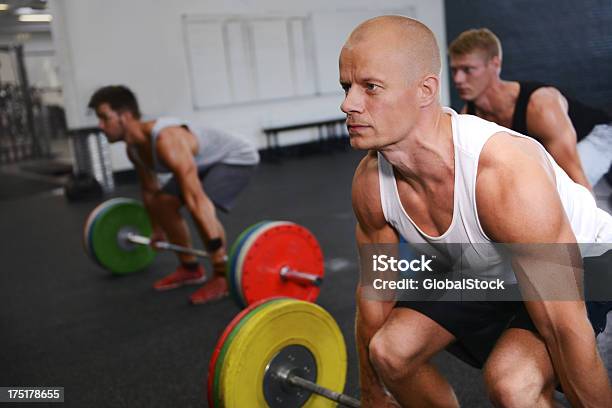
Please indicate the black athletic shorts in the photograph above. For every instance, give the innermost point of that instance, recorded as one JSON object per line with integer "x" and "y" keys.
{"x": 476, "y": 325}
{"x": 221, "y": 182}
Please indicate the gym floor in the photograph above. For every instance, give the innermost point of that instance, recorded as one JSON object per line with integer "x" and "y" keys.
{"x": 116, "y": 342}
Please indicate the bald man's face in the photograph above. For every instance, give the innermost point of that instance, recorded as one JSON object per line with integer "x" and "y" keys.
{"x": 380, "y": 98}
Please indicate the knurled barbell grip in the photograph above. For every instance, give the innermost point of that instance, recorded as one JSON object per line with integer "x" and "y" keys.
{"x": 177, "y": 248}
{"x": 141, "y": 240}
{"x": 300, "y": 382}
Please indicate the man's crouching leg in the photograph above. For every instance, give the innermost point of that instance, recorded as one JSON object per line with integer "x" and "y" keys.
{"x": 400, "y": 352}
{"x": 519, "y": 372}
{"x": 165, "y": 212}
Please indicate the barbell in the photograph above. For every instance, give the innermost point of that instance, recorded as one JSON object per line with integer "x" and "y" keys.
{"x": 269, "y": 258}
{"x": 277, "y": 353}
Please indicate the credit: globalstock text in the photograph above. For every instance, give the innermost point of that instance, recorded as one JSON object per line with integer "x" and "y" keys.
{"x": 440, "y": 284}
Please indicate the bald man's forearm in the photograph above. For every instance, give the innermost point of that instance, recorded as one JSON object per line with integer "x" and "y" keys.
{"x": 373, "y": 393}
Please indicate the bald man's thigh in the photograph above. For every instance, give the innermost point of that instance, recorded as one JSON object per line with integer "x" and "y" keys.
{"x": 520, "y": 361}
{"x": 416, "y": 335}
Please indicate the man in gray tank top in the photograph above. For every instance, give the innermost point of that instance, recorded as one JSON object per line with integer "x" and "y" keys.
{"x": 390, "y": 72}
{"x": 180, "y": 164}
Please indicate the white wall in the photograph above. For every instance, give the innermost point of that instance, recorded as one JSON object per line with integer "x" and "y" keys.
{"x": 141, "y": 43}
{"x": 40, "y": 61}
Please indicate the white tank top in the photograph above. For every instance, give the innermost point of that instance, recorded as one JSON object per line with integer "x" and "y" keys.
{"x": 470, "y": 133}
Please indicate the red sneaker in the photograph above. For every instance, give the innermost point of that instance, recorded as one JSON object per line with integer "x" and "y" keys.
{"x": 214, "y": 289}
{"x": 181, "y": 277}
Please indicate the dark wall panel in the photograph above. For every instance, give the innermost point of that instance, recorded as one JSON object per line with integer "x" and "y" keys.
{"x": 565, "y": 43}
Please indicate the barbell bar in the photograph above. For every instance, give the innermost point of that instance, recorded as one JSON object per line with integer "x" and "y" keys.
{"x": 162, "y": 245}
{"x": 285, "y": 271}
{"x": 285, "y": 374}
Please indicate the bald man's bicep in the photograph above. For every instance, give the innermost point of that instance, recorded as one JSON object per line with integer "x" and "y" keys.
{"x": 506, "y": 187}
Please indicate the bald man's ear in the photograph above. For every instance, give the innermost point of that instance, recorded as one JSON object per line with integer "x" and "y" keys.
{"x": 429, "y": 89}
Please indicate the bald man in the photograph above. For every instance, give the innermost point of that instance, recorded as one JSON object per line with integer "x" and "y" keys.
{"x": 438, "y": 178}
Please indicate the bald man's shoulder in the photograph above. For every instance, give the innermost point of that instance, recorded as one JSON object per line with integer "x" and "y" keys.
{"x": 366, "y": 191}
